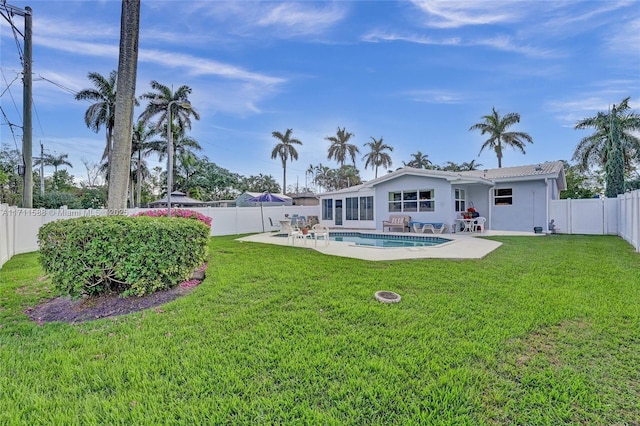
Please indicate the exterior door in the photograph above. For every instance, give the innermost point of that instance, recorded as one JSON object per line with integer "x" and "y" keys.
{"x": 338, "y": 212}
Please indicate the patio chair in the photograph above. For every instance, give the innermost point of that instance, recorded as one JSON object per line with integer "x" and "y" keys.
{"x": 478, "y": 225}
{"x": 274, "y": 226}
{"x": 320, "y": 231}
{"x": 397, "y": 221}
{"x": 292, "y": 231}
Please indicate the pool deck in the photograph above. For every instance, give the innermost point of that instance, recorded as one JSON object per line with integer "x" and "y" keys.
{"x": 461, "y": 246}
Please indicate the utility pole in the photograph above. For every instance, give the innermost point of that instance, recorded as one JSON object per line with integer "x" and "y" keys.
{"x": 27, "y": 153}
{"x": 41, "y": 170}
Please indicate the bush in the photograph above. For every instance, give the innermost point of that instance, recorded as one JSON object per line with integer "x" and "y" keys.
{"x": 188, "y": 214}
{"x": 127, "y": 255}
{"x": 55, "y": 200}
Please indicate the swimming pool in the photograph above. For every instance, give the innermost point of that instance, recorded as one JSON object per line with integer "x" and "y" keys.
{"x": 385, "y": 241}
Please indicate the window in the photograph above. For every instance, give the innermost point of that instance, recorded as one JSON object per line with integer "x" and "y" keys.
{"x": 327, "y": 209}
{"x": 395, "y": 201}
{"x": 503, "y": 197}
{"x": 461, "y": 200}
{"x": 427, "y": 203}
{"x": 366, "y": 208}
{"x": 351, "y": 205}
{"x": 359, "y": 208}
{"x": 412, "y": 201}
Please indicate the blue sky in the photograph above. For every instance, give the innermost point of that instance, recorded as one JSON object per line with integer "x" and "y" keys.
{"x": 418, "y": 74}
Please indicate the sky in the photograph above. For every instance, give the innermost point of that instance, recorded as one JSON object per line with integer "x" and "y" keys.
{"x": 418, "y": 74}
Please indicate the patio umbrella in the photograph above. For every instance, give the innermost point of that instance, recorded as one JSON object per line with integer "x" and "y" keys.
{"x": 266, "y": 197}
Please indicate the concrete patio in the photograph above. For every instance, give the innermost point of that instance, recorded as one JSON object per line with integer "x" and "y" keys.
{"x": 461, "y": 246}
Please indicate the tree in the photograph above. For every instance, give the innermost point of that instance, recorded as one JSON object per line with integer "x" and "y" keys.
{"x": 102, "y": 112}
{"x": 419, "y": 161}
{"x": 140, "y": 147}
{"x": 377, "y": 157}
{"x": 340, "y": 147}
{"x": 285, "y": 150}
{"x": 181, "y": 108}
{"x": 578, "y": 183}
{"x": 472, "y": 165}
{"x": 260, "y": 183}
{"x": 120, "y": 160}
{"x": 496, "y": 127}
{"x": 615, "y": 159}
{"x": 593, "y": 149}
{"x": 55, "y": 161}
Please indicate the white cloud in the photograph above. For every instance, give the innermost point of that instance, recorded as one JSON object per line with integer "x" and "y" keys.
{"x": 455, "y": 14}
{"x": 193, "y": 65}
{"x": 434, "y": 96}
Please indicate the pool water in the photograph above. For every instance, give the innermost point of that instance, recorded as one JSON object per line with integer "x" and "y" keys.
{"x": 386, "y": 241}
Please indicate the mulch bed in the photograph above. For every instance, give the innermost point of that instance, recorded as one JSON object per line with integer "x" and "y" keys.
{"x": 64, "y": 309}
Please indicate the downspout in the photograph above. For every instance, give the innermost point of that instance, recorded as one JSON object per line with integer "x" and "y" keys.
{"x": 490, "y": 218}
{"x": 548, "y": 201}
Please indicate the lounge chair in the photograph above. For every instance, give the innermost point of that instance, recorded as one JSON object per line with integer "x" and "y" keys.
{"x": 320, "y": 231}
{"x": 397, "y": 221}
{"x": 434, "y": 228}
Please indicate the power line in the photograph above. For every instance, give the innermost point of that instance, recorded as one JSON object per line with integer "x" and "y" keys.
{"x": 10, "y": 94}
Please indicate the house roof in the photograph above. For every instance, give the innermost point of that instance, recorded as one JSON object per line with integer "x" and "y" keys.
{"x": 453, "y": 177}
{"x": 550, "y": 169}
{"x": 178, "y": 197}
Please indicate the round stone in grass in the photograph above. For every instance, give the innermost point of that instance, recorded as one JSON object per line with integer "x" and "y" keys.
{"x": 387, "y": 297}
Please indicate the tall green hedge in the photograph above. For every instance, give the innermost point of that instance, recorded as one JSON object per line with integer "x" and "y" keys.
{"x": 127, "y": 255}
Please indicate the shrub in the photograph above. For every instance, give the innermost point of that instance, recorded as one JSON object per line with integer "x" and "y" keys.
{"x": 93, "y": 255}
{"x": 188, "y": 214}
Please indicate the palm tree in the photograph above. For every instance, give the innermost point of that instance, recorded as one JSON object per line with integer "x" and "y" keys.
{"x": 496, "y": 127}
{"x": 120, "y": 159}
{"x": 340, "y": 147}
{"x": 285, "y": 150}
{"x": 140, "y": 147}
{"x": 102, "y": 112}
{"x": 161, "y": 98}
{"x": 181, "y": 144}
{"x": 376, "y": 157}
{"x": 472, "y": 165}
{"x": 55, "y": 161}
{"x": 593, "y": 149}
{"x": 419, "y": 161}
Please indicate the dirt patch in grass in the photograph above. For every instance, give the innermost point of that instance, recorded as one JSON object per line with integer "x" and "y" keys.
{"x": 64, "y": 309}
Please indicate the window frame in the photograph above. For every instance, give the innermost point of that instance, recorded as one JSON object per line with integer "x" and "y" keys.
{"x": 327, "y": 209}
{"x": 503, "y": 199}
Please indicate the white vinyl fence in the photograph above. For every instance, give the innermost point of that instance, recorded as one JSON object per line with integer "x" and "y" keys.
{"x": 601, "y": 216}
{"x": 19, "y": 227}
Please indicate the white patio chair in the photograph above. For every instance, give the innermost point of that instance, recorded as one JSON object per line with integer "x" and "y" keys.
{"x": 292, "y": 231}
{"x": 320, "y": 231}
{"x": 478, "y": 224}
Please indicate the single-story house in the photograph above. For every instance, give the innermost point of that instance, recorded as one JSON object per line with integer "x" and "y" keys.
{"x": 305, "y": 199}
{"x": 510, "y": 198}
{"x": 242, "y": 200}
{"x": 178, "y": 199}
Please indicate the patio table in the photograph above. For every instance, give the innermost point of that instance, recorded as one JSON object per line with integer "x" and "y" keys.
{"x": 468, "y": 224}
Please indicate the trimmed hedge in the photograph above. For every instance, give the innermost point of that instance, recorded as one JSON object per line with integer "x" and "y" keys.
{"x": 127, "y": 255}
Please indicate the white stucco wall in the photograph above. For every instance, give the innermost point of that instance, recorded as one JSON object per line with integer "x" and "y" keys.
{"x": 444, "y": 208}
{"x": 529, "y": 208}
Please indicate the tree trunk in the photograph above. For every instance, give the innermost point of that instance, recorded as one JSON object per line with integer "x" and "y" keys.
{"x": 139, "y": 180}
{"x": 120, "y": 166}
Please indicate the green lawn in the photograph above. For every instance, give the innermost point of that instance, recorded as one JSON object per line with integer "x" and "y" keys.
{"x": 545, "y": 330}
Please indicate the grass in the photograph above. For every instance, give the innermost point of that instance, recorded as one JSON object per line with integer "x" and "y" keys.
{"x": 545, "y": 330}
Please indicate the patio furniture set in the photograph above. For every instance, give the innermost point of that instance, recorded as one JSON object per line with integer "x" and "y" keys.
{"x": 298, "y": 231}
{"x": 404, "y": 223}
